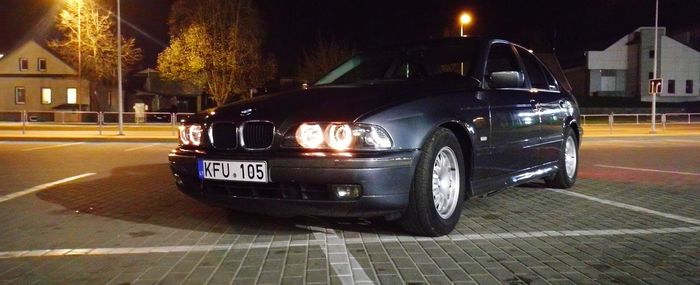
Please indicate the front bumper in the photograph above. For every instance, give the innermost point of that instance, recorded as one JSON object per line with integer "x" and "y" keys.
{"x": 300, "y": 183}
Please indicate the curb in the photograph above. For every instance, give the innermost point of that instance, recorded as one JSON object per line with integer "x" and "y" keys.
{"x": 90, "y": 139}
{"x": 641, "y": 135}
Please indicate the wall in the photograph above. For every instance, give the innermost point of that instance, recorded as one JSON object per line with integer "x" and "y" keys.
{"x": 33, "y": 87}
{"x": 9, "y": 64}
{"x": 613, "y": 57}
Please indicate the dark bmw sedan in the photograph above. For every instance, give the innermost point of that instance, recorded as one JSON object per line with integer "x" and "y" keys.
{"x": 406, "y": 133}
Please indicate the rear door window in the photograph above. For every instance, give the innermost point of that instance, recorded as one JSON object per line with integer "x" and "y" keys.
{"x": 535, "y": 73}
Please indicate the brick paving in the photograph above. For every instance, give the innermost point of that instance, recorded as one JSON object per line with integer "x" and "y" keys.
{"x": 128, "y": 225}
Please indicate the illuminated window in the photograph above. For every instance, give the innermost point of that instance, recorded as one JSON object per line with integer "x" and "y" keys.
{"x": 23, "y": 64}
{"x": 20, "y": 95}
{"x": 45, "y": 96}
{"x": 72, "y": 96}
{"x": 41, "y": 64}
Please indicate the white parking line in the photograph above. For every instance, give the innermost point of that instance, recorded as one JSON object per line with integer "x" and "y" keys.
{"x": 338, "y": 263}
{"x": 52, "y": 146}
{"x": 323, "y": 243}
{"x": 141, "y": 147}
{"x": 648, "y": 170}
{"x": 42, "y": 187}
{"x": 628, "y": 206}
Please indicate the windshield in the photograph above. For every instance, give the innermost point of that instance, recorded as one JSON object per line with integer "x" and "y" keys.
{"x": 435, "y": 61}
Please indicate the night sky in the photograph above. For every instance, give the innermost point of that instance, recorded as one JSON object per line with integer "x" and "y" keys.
{"x": 294, "y": 26}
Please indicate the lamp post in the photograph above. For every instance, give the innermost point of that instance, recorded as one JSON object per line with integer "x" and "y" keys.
{"x": 119, "y": 69}
{"x": 80, "y": 55}
{"x": 656, "y": 54}
{"x": 464, "y": 19}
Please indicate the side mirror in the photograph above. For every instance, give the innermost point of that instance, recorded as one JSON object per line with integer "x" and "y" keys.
{"x": 506, "y": 79}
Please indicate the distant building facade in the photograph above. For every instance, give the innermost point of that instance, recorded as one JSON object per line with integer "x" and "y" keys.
{"x": 32, "y": 78}
{"x": 161, "y": 95}
{"x": 624, "y": 68}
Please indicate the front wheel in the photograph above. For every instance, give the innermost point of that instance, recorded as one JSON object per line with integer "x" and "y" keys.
{"x": 439, "y": 184}
{"x": 568, "y": 163}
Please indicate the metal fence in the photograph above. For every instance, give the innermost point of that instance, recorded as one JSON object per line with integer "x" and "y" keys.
{"x": 100, "y": 119}
{"x": 89, "y": 118}
{"x": 639, "y": 119}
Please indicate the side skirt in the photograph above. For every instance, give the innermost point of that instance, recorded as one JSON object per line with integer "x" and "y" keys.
{"x": 491, "y": 185}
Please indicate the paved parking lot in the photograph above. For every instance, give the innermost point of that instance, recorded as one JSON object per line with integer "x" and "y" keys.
{"x": 97, "y": 213}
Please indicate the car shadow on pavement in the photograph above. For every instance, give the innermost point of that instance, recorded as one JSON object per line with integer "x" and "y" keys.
{"x": 147, "y": 194}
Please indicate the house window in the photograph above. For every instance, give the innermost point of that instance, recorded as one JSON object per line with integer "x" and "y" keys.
{"x": 23, "y": 64}
{"x": 671, "y": 87}
{"x": 41, "y": 64}
{"x": 72, "y": 96}
{"x": 651, "y": 53}
{"x": 45, "y": 96}
{"x": 651, "y": 75}
{"x": 688, "y": 87}
{"x": 20, "y": 96}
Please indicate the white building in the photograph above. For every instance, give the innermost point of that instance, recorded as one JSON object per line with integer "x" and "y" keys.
{"x": 32, "y": 78}
{"x": 625, "y": 67}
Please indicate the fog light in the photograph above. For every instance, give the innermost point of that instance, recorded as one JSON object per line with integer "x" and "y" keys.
{"x": 346, "y": 191}
{"x": 178, "y": 180}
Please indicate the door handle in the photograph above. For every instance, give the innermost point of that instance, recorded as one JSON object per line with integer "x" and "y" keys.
{"x": 535, "y": 106}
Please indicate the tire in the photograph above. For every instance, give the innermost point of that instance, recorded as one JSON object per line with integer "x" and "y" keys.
{"x": 422, "y": 216}
{"x": 566, "y": 177}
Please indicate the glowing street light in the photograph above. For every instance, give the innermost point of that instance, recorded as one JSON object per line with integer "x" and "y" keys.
{"x": 464, "y": 19}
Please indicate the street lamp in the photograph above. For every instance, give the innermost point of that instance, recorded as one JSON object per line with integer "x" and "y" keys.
{"x": 80, "y": 53}
{"x": 464, "y": 19}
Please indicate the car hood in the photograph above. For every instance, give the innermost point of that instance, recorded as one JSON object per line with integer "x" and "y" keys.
{"x": 328, "y": 103}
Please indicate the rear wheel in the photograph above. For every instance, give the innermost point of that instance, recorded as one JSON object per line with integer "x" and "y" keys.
{"x": 438, "y": 187}
{"x": 568, "y": 163}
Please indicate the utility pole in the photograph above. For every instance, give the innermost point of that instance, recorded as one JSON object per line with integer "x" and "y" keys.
{"x": 656, "y": 54}
{"x": 119, "y": 68}
{"x": 80, "y": 56}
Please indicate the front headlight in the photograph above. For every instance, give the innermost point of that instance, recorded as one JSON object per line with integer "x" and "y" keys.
{"x": 183, "y": 135}
{"x": 309, "y": 135}
{"x": 195, "y": 134}
{"x": 191, "y": 134}
{"x": 377, "y": 137}
{"x": 338, "y": 136}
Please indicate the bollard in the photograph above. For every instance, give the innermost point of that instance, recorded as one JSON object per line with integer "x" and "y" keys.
{"x": 610, "y": 122}
{"x": 23, "y": 118}
{"x": 173, "y": 120}
{"x": 637, "y": 115}
{"x": 100, "y": 120}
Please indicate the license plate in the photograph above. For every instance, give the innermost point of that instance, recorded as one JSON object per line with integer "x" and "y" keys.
{"x": 245, "y": 171}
